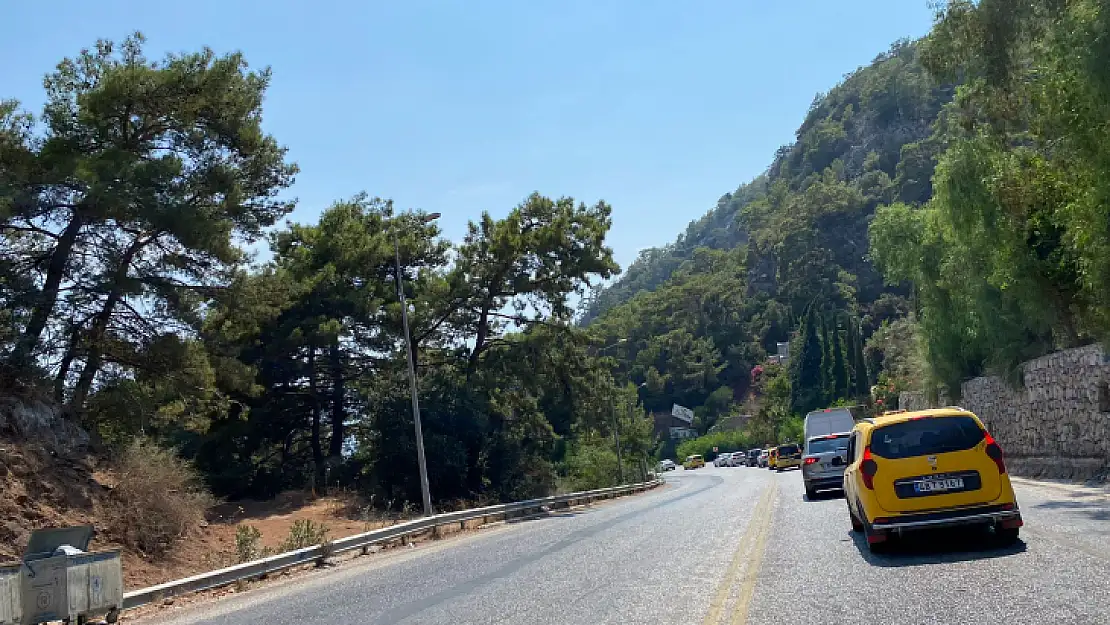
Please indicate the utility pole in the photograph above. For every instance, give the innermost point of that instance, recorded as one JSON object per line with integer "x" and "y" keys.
{"x": 617, "y": 442}
{"x": 424, "y": 490}
{"x": 616, "y": 421}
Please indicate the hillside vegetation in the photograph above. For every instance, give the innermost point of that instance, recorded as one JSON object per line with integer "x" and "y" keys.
{"x": 943, "y": 211}
{"x": 701, "y": 314}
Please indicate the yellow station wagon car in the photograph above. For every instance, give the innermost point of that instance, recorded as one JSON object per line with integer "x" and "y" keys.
{"x": 788, "y": 455}
{"x": 693, "y": 462}
{"x": 924, "y": 469}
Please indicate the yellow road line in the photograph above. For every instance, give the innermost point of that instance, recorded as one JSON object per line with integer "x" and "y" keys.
{"x": 760, "y": 520}
{"x": 754, "y": 560}
{"x": 718, "y": 603}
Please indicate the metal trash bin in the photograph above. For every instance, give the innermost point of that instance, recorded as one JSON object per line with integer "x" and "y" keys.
{"x": 10, "y": 613}
{"x": 60, "y": 581}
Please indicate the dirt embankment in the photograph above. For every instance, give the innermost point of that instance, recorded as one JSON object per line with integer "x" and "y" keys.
{"x": 49, "y": 479}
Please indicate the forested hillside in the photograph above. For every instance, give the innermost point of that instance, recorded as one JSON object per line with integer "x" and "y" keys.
{"x": 862, "y": 142}
{"x": 1011, "y": 256}
{"x": 701, "y": 313}
{"x": 944, "y": 211}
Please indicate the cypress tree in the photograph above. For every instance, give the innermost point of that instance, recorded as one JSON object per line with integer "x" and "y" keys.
{"x": 805, "y": 367}
{"x": 839, "y": 366}
{"x": 863, "y": 382}
{"x": 827, "y": 391}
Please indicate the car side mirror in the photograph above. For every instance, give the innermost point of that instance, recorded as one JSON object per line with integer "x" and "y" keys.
{"x": 837, "y": 461}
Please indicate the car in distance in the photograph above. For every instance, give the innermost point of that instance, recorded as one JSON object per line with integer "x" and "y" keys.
{"x": 925, "y": 469}
{"x": 666, "y": 465}
{"x": 772, "y": 457}
{"x": 738, "y": 459}
{"x": 787, "y": 456}
{"x": 764, "y": 458}
{"x": 753, "y": 457}
{"x": 694, "y": 461}
{"x": 823, "y": 462}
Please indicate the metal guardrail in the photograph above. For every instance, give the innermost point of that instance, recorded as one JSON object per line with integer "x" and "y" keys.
{"x": 289, "y": 559}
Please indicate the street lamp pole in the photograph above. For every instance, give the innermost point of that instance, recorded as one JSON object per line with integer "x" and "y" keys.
{"x": 617, "y": 442}
{"x": 424, "y": 490}
{"x": 616, "y": 422}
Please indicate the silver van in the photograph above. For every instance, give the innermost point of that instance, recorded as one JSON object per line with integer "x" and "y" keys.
{"x": 827, "y": 421}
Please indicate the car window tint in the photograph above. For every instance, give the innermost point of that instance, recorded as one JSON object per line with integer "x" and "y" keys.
{"x": 824, "y": 445}
{"x": 930, "y": 435}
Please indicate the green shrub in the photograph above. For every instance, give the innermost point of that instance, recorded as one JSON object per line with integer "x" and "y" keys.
{"x": 589, "y": 466}
{"x": 733, "y": 440}
{"x": 305, "y": 533}
{"x": 248, "y": 544}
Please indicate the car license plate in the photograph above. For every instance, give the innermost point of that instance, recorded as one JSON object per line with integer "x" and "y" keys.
{"x": 938, "y": 486}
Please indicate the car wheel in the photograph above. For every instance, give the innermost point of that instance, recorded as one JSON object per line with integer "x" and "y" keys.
{"x": 857, "y": 526}
{"x": 810, "y": 493}
{"x": 869, "y": 532}
{"x": 1007, "y": 536}
{"x": 875, "y": 547}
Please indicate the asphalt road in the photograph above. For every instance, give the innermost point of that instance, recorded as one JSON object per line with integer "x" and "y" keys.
{"x": 716, "y": 545}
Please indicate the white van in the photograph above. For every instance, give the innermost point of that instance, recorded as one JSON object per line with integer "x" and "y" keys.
{"x": 827, "y": 421}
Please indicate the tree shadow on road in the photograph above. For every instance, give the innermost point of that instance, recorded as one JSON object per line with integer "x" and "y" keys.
{"x": 937, "y": 546}
{"x": 824, "y": 495}
{"x": 549, "y": 514}
{"x": 1095, "y": 510}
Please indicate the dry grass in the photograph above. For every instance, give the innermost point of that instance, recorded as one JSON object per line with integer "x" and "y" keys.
{"x": 158, "y": 498}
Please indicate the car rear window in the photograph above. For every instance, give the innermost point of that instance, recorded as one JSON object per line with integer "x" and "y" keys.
{"x": 930, "y": 435}
{"x": 788, "y": 449}
{"x": 824, "y": 445}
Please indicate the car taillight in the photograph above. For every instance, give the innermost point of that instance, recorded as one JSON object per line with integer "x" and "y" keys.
{"x": 867, "y": 468}
{"x": 811, "y": 460}
{"x": 994, "y": 450}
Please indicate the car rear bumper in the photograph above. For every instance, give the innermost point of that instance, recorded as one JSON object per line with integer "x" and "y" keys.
{"x": 828, "y": 481}
{"x": 1004, "y": 515}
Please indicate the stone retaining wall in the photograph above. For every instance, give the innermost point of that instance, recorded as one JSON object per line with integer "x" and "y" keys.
{"x": 1057, "y": 425}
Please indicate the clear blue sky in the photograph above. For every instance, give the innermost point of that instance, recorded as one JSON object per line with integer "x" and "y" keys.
{"x": 657, "y": 106}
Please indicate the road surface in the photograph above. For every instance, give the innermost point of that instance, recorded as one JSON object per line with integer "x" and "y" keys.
{"x": 716, "y": 545}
